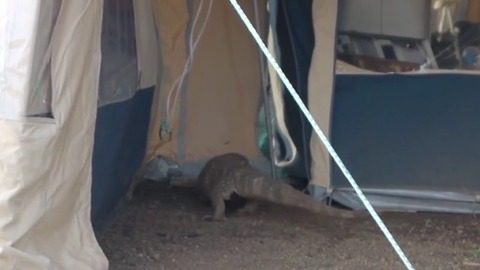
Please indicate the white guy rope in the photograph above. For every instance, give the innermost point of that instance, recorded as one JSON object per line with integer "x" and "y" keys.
{"x": 320, "y": 134}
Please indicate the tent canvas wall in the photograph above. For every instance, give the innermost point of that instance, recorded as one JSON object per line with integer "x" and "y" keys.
{"x": 47, "y": 145}
{"x": 84, "y": 86}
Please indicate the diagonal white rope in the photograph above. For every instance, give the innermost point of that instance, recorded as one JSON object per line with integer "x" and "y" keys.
{"x": 321, "y": 135}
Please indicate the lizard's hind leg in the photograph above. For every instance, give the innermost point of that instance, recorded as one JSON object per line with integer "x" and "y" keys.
{"x": 250, "y": 207}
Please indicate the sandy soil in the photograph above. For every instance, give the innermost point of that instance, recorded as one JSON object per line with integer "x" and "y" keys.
{"x": 163, "y": 229}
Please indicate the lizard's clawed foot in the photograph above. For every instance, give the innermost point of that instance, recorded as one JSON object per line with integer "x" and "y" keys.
{"x": 249, "y": 208}
{"x": 211, "y": 218}
{"x": 349, "y": 215}
{"x": 358, "y": 214}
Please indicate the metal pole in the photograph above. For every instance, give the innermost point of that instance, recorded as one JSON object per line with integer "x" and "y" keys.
{"x": 266, "y": 98}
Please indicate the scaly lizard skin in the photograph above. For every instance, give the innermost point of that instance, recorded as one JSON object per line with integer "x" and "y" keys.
{"x": 207, "y": 179}
{"x": 231, "y": 173}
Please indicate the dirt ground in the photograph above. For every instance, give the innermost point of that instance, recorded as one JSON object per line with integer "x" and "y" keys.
{"x": 163, "y": 229}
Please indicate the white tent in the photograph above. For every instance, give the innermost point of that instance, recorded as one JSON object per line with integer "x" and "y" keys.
{"x": 85, "y": 89}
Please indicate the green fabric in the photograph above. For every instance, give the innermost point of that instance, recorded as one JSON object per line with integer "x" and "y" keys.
{"x": 262, "y": 140}
{"x": 262, "y": 135}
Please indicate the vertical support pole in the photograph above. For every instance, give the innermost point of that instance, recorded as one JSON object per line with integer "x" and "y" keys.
{"x": 266, "y": 98}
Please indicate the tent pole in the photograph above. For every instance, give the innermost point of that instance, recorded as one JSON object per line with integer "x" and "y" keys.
{"x": 266, "y": 103}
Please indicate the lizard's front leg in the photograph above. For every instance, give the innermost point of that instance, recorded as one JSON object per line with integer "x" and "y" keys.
{"x": 218, "y": 210}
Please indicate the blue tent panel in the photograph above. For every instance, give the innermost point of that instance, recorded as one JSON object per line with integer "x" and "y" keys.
{"x": 120, "y": 143}
{"x": 408, "y": 131}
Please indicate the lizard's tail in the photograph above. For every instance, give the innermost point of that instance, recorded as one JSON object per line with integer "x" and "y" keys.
{"x": 265, "y": 189}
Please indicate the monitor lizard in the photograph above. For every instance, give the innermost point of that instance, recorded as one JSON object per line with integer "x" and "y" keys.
{"x": 231, "y": 173}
